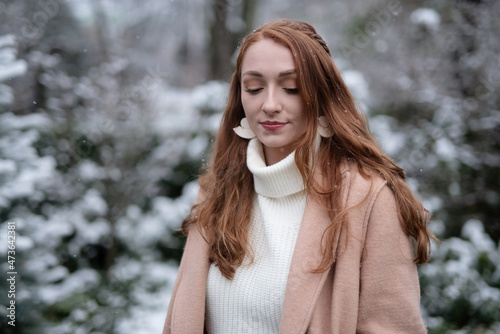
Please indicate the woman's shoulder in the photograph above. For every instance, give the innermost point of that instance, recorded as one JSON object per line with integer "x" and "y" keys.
{"x": 367, "y": 195}
{"x": 361, "y": 183}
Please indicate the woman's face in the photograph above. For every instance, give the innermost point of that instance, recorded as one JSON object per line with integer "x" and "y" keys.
{"x": 270, "y": 98}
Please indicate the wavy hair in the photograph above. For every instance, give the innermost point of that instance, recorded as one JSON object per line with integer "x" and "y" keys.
{"x": 224, "y": 214}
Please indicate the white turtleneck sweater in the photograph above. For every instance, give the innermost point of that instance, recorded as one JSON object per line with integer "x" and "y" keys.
{"x": 252, "y": 301}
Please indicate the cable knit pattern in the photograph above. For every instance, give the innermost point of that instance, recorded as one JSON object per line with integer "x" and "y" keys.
{"x": 253, "y": 301}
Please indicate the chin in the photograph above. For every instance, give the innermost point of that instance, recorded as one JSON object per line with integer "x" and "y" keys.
{"x": 269, "y": 141}
{"x": 274, "y": 144}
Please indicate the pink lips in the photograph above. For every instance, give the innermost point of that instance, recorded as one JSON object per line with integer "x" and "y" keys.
{"x": 272, "y": 125}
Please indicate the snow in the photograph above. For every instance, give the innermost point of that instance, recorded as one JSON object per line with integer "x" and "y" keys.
{"x": 175, "y": 113}
{"x": 55, "y": 228}
{"x": 10, "y": 122}
{"x": 77, "y": 282}
{"x": 473, "y": 230}
{"x": 42, "y": 263}
{"x": 24, "y": 243}
{"x": 174, "y": 211}
{"x": 445, "y": 149}
{"x": 12, "y": 70}
{"x": 7, "y": 167}
{"x": 150, "y": 228}
{"x": 356, "y": 83}
{"x": 177, "y": 110}
{"x": 55, "y": 274}
{"x": 486, "y": 123}
{"x": 25, "y": 183}
{"x": 83, "y": 10}
{"x": 9, "y": 66}
{"x": 427, "y": 17}
{"x": 6, "y": 95}
{"x": 6, "y": 41}
{"x": 196, "y": 146}
{"x": 149, "y": 317}
{"x": 383, "y": 127}
{"x": 90, "y": 171}
{"x": 92, "y": 203}
{"x": 212, "y": 123}
{"x": 456, "y": 267}
{"x": 210, "y": 96}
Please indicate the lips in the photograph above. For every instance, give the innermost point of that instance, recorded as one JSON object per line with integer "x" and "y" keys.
{"x": 272, "y": 125}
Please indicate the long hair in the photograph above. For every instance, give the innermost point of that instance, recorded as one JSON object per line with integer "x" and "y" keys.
{"x": 224, "y": 214}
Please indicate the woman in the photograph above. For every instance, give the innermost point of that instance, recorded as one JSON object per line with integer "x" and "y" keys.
{"x": 302, "y": 224}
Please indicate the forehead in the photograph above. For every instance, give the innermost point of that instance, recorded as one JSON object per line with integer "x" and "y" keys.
{"x": 267, "y": 57}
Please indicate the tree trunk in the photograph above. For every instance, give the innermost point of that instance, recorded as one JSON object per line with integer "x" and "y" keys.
{"x": 223, "y": 41}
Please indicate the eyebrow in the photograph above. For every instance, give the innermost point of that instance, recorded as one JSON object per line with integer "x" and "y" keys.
{"x": 259, "y": 75}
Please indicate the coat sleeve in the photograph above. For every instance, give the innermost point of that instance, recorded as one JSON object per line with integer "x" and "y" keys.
{"x": 389, "y": 300}
{"x": 168, "y": 320}
{"x": 190, "y": 243}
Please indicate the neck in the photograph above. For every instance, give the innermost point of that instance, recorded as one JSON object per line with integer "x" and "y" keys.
{"x": 276, "y": 154}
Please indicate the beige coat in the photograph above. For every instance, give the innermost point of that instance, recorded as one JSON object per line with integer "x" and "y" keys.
{"x": 371, "y": 288}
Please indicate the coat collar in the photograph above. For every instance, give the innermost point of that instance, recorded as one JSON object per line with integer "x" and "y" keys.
{"x": 278, "y": 180}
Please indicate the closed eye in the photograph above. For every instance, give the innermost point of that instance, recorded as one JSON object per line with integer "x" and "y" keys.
{"x": 253, "y": 90}
{"x": 291, "y": 90}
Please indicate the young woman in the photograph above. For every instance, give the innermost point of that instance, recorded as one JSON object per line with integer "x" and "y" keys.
{"x": 302, "y": 224}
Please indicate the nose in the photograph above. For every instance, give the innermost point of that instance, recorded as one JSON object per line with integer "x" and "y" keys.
{"x": 272, "y": 102}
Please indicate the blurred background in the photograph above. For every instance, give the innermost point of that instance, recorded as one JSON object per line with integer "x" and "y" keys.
{"x": 108, "y": 109}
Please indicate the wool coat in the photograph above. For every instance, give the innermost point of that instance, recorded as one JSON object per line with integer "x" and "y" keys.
{"x": 372, "y": 287}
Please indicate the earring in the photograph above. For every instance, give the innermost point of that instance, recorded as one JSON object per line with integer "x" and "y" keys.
{"x": 324, "y": 128}
{"x": 244, "y": 130}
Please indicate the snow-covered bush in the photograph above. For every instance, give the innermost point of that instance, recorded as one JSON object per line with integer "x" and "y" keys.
{"x": 10, "y": 67}
{"x": 461, "y": 285}
{"x": 96, "y": 194}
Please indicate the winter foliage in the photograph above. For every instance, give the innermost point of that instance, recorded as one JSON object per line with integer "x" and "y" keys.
{"x": 107, "y": 113}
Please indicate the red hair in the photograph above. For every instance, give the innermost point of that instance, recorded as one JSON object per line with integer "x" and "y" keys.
{"x": 228, "y": 188}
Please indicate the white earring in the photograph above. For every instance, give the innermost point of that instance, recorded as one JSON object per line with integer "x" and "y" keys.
{"x": 244, "y": 130}
{"x": 324, "y": 128}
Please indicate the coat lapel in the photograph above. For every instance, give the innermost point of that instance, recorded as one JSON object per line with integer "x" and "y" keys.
{"x": 303, "y": 286}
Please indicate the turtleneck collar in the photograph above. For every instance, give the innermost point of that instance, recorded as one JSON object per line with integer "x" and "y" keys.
{"x": 278, "y": 180}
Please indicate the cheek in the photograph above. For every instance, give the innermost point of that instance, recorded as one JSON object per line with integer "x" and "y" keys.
{"x": 250, "y": 107}
{"x": 300, "y": 112}
{"x": 301, "y": 121}
{"x": 302, "y": 128}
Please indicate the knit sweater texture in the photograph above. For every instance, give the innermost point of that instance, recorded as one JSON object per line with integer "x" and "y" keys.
{"x": 252, "y": 301}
